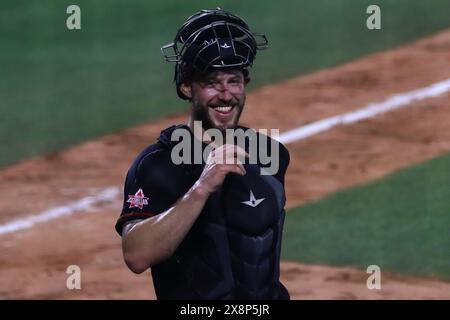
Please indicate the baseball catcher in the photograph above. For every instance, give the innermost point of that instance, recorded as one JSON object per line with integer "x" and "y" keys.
{"x": 210, "y": 229}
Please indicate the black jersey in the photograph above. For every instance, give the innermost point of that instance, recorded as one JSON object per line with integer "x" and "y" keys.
{"x": 233, "y": 249}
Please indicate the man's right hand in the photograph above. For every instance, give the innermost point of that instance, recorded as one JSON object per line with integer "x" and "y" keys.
{"x": 221, "y": 161}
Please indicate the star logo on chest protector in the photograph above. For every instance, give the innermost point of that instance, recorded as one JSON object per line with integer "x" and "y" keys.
{"x": 253, "y": 202}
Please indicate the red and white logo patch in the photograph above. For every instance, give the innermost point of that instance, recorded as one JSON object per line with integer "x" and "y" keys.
{"x": 138, "y": 200}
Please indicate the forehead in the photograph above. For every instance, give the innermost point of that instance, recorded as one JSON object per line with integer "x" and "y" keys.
{"x": 223, "y": 74}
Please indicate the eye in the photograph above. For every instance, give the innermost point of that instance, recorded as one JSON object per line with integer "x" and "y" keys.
{"x": 235, "y": 80}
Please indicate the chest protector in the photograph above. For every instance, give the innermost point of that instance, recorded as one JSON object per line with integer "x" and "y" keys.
{"x": 233, "y": 249}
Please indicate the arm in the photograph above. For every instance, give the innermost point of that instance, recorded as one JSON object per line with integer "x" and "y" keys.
{"x": 148, "y": 242}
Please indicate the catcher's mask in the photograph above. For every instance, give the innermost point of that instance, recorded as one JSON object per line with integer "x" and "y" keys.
{"x": 212, "y": 40}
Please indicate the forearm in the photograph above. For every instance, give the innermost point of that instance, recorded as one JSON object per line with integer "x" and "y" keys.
{"x": 155, "y": 239}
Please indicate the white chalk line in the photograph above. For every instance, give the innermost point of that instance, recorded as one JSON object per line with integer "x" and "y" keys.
{"x": 109, "y": 194}
{"x": 106, "y": 195}
{"x": 395, "y": 102}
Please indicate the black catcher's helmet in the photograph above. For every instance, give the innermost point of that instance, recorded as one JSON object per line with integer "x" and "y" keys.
{"x": 209, "y": 40}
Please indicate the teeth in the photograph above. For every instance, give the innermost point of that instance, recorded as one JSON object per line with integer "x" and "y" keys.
{"x": 223, "y": 109}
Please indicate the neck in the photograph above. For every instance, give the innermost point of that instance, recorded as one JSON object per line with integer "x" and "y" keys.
{"x": 198, "y": 131}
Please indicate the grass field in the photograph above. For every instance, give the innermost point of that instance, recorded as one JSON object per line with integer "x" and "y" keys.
{"x": 400, "y": 223}
{"x": 61, "y": 87}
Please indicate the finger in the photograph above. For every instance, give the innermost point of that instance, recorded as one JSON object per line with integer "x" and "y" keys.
{"x": 236, "y": 169}
{"x": 241, "y": 155}
{"x": 227, "y": 154}
{"x": 234, "y": 159}
{"x": 223, "y": 147}
{"x": 241, "y": 167}
{"x": 242, "y": 151}
{"x": 234, "y": 148}
{"x": 237, "y": 152}
{"x": 227, "y": 168}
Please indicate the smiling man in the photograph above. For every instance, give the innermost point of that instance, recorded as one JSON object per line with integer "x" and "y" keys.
{"x": 211, "y": 230}
{"x": 217, "y": 98}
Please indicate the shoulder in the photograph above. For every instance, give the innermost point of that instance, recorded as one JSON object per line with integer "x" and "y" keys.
{"x": 274, "y": 148}
{"x": 279, "y": 154}
{"x": 154, "y": 163}
{"x": 271, "y": 142}
{"x": 151, "y": 166}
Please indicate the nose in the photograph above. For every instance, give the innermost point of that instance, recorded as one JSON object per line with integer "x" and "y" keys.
{"x": 224, "y": 93}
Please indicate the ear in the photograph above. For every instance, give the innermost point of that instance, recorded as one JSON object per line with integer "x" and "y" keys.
{"x": 185, "y": 88}
{"x": 246, "y": 80}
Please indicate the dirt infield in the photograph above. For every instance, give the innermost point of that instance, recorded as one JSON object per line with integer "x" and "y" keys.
{"x": 33, "y": 261}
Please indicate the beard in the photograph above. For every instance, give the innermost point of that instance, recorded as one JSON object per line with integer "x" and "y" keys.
{"x": 201, "y": 113}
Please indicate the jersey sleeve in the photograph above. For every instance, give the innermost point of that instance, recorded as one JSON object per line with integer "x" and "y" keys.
{"x": 144, "y": 193}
